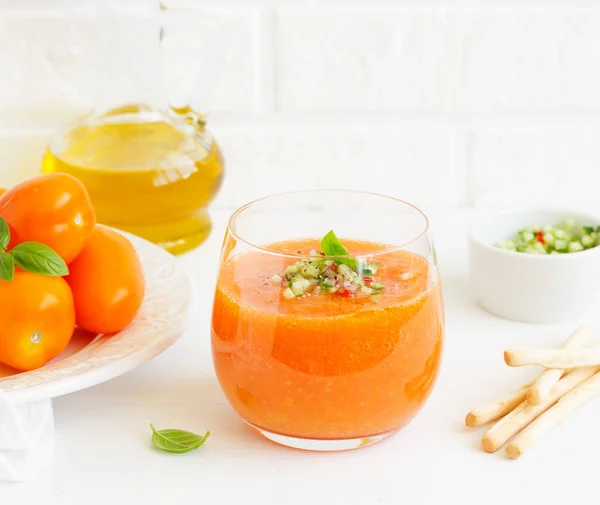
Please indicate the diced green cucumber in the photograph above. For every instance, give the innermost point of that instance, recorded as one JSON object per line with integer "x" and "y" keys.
{"x": 526, "y": 236}
{"x": 561, "y": 245}
{"x": 298, "y": 287}
{"x": 549, "y": 238}
{"x": 343, "y": 268}
{"x": 310, "y": 271}
{"x": 295, "y": 278}
{"x": 575, "y": 246}
{"x": 587, "y": 241}
{"x": 292, "y": 269}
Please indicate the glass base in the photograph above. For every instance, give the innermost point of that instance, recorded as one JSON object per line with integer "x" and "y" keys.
{"x": 322, "y": 445}
{"x": 176, "y": 237}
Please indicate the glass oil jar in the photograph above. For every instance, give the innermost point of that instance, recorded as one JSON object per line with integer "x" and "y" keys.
{"x": 149, "y": 164}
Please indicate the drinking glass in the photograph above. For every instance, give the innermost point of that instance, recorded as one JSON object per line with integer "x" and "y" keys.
{"x": 327, "y": 368}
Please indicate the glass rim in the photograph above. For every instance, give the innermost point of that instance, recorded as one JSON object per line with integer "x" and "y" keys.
{"x": 232, "y": 220}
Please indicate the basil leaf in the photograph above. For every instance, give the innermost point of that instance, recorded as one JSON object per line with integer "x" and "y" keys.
{"x": 177, "y": 441}
{"x": 39, "y": 259}
{"x": 4, "y": 234}
{"x": 7, "y": 266}
{"x": 332, "y": 246}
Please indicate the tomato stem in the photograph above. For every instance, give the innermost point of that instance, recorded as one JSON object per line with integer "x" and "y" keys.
{"x": 36, "y": 337}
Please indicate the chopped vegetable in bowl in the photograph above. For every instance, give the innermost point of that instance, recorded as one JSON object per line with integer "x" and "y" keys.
{"x": 567, "y": 237}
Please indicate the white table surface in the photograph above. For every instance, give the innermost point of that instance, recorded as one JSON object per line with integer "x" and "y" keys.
{"x": 103, "y": 452}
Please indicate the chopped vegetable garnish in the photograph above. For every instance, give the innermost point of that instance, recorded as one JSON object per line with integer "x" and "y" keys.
{"x": 567, "y": 237}
{"x": 331, "y": 271}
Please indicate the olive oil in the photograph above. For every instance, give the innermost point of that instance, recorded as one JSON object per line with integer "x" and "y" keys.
{"x": 147, "y": 173}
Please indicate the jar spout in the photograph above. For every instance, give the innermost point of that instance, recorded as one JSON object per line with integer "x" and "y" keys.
{"x": 187, "y": 114}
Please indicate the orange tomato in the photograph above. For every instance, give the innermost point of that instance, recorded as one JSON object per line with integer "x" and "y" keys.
{"x": 38, "y": 319}
{"x": 53, "y": 209}
{"x": 107, "y": 281}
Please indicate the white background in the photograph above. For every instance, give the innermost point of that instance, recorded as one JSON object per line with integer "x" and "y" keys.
{"x": 453, "y": 105}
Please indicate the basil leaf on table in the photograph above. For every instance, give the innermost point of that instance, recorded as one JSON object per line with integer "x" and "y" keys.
{"x": 7, "y": 267}
{"x": 39, "y": 259}
{"x": 4, "y": 234}
{"x": 177, "y": 441}
{"x": 331, "y": 246}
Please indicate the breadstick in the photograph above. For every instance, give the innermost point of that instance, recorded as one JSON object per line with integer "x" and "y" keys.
{"x": 555, "y": 415}
{"x": 540, "y": 389}
{"x": 496, "y": 410}
{"x": 553, "y": 358}
{"x": 524, "y": 414}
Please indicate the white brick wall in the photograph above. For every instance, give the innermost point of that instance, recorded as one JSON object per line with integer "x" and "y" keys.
{"x": 535, "y": 165}
{"x": 530, "y": 61}
{"x": 418, "y": 161}
{"x": 445, "y": 103}
{"x": 366, "y": 60}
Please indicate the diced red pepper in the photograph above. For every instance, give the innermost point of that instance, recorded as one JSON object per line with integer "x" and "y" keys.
{"x": 540, "y": 237}
{"x": 333, "y": 268}
{"x": 368, "y": 280}
{"x": 343, "y": 292}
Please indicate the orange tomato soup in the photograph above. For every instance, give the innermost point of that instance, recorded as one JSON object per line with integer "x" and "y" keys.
{"x": 326, "y": 366}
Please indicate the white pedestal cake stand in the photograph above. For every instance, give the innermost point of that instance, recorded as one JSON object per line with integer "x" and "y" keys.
{"x": 26, "y": 417}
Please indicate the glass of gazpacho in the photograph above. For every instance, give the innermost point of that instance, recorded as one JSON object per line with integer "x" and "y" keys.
{"x": 328, "y": 318}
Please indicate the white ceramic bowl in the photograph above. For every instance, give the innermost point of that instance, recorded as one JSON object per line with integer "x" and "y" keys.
{"x": 533, "y": 288}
